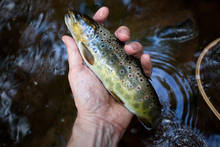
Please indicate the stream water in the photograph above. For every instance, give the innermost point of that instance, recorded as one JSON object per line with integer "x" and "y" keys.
{"x": 36, "y": 104}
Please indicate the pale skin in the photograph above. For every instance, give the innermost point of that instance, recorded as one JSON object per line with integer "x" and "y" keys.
{"x": 100, "y": 120}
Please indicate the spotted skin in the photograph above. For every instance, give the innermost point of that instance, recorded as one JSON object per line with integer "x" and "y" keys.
{"x": 120, "y": 73}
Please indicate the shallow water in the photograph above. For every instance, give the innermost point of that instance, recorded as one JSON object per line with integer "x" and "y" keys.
{"x": 36, "y": 105}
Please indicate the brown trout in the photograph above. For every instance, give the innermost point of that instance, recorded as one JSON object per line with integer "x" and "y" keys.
{"x": 120, "y": 73}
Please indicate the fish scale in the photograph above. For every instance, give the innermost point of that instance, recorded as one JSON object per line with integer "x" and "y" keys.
{"x": 120, "y": 73}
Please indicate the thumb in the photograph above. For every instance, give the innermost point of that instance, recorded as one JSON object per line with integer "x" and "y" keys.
{"x": 74, "y": 57}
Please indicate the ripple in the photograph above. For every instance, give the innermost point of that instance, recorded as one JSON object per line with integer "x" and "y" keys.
{"x": 19, "y": 126}
{"x": 172, "y": 84}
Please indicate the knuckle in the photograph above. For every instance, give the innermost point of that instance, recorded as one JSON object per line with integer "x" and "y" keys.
{"x": 124, "y": 27}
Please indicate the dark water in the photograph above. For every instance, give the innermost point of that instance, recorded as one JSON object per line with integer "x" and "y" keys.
{"x": 36, "y": 105}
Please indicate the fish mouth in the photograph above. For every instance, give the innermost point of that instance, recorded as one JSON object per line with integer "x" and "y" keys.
{"x": 70, "y": 18}
{"x": 70, "y": 21}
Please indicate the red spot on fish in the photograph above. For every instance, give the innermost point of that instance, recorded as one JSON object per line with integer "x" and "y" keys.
{"x": 146, "y": 97}
{"x": 120, "y": 63}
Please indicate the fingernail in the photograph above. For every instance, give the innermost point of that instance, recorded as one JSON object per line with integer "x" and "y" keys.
{"x": 64, "y": 39}
{"x": 128, "y": 47}
{"x": 134, "y": 46}
{"x": 123, "y": 31}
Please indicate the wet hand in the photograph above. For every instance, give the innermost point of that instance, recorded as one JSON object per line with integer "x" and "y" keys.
{"x": 96, "y": 107}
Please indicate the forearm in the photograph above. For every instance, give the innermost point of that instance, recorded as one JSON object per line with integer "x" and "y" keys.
{"x": 98, "y": 133}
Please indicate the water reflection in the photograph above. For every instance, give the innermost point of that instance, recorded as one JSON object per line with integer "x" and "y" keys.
{"x": 182, "y": 32}
{"x": 36, "y": 106}
{"x": 172, "y": 85}
{"x": 19, "y": 125}
{"x": 42, "y": 53}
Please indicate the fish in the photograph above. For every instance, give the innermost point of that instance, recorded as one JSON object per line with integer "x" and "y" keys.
{"x": 121, "y": 74}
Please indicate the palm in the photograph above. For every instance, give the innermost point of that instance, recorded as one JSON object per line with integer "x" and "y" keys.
{"x": 92, "y": 100}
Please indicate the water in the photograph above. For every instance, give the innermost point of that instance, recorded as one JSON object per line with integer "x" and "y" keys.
{"x": 36, "y": 105}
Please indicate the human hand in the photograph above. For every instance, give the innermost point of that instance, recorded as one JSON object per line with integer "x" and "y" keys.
{"x": 96, "y": 107}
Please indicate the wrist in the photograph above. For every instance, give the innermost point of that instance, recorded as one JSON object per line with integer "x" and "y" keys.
{"x": 95, "y": 132}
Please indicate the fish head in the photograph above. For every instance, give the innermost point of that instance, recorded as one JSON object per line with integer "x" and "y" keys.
{"x": 82, "y": 27}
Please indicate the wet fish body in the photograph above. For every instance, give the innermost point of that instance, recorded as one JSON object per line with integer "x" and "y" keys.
{"x": 120, "y": 73}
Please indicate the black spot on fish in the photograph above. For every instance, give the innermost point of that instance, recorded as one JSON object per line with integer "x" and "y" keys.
{"x": 138, "y": 88}
{"x": 111, "y": 61}
{"x": 141, "y": 80}
{"x": 122, "y": 71}
{"x": 103, "y": 53}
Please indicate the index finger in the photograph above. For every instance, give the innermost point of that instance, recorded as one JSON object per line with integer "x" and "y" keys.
{"x": 101, "y": 15}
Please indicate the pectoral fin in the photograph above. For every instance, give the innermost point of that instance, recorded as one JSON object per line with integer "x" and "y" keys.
{"x": 87, "y": 55}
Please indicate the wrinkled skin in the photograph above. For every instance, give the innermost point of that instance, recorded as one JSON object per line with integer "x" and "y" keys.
{"x": 96, "y": 107}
